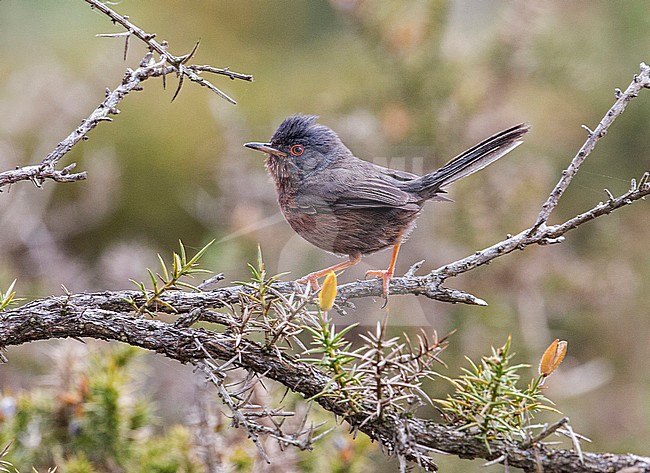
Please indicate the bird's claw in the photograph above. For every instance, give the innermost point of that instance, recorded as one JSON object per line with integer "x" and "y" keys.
{"x": 385, "y": 275}
{"x": 312, "y": 280}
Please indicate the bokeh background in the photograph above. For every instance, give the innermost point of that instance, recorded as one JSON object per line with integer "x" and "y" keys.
{"x": 405, "y": 84}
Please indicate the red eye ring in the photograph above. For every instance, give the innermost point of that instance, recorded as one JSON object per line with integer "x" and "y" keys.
{"x": 297, "y": 150}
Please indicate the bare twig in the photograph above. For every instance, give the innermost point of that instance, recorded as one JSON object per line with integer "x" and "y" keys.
{"x": 133, "y": 29}
{"x": 546, "y": 431}
{"x": 46, "y": 170}
{"x": 639, "y": 82}
{"x": 543, "y": 235}
{"x": 177, "y": 62}
{"x": 168, "y": 64}
{"x": 217, "y": 377}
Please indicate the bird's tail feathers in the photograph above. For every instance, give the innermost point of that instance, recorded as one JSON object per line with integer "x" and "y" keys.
{"x": 470, "y": 161}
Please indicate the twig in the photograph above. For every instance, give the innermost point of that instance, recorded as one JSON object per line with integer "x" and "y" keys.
{"x": 546, "y": 431}
{"x": 133, "y": 29}
{"x": 639, "y": 82}
{"x": 177, "y": 62}
{"x": 217, "y": 377}
{"x": 46, "y": 170}
{"x": 38, "y": 173}
{"x": 543, "y": 235}
{"x": 225, "y": 71}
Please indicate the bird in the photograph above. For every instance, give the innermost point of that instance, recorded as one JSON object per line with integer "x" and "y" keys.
{"x": 353, "y": 207}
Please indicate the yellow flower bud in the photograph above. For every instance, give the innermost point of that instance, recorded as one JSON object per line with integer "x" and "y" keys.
{"x": 552, "y": 357}
{"x": 328, "y": 292}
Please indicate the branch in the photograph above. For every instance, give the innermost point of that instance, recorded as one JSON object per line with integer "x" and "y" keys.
{"x": 101, "y": 316}
{"x": 177, "y": 62}
{"x": 543, "y": 235}
{"x": 639, "y": 82}
{"x": 168, "y": 64}
{"x": 47, "y": 169}
{"x": 431, "y": 285}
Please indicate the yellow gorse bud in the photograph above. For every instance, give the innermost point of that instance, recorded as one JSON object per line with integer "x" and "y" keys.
{"x": 328, "y": 292}
{"x": 552, "y": 357}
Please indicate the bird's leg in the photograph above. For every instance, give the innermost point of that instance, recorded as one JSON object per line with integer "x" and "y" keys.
{"x": 386, "y": 274}
{"x": 312, "y": 278}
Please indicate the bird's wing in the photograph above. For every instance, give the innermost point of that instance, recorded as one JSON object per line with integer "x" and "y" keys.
{"x": 373, "y": 193}
{"x": 402, "y": 176}
{"x": 363, "y": 194}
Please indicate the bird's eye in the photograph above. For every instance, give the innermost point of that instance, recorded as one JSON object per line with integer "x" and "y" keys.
{"x": 297, "y": 150}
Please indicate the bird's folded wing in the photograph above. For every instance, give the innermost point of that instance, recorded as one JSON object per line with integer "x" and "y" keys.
{"x": 367, "y": 194}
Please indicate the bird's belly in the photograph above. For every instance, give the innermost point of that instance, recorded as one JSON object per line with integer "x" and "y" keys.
{"x": 353, "y": 231}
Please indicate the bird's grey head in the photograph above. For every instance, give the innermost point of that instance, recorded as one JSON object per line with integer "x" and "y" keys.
{"x": 300, "y": 146}
{"x": 304, "y": 130}
{"x": 306, "y": 143}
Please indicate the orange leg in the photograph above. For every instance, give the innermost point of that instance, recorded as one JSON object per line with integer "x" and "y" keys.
{"x": 312, "y": 278}
{"x": 386, "y": 274}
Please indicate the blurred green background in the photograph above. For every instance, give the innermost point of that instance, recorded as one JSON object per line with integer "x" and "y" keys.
{"x": 405, "y": 84}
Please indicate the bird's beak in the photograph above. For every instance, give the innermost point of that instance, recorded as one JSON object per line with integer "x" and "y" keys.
{"x": 265, "y": 148}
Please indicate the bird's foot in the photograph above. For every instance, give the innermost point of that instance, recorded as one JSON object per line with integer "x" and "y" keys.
{"x": 312, "y": 280}
{"x": 385, "y": 275}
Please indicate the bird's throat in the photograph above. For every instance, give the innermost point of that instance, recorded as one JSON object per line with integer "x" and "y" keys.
{"x": 285, "y": 178}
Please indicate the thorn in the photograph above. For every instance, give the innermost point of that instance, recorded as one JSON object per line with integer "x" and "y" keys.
{"x": 178, "y": 89}
{"x": 187, "y": 57}
{"x": 126, "y": 46}
{"x": 211, "y": 281}
{"x": 413, "y": 269}
{"x": 496, "y": 461}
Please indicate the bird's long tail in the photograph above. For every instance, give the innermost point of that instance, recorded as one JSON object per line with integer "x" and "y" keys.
{"x": 468, "y": 162}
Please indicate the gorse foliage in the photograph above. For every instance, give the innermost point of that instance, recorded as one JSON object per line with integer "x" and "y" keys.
{"x": 371, "y": 374}
{"x": 8, "y": 297}
{"x": 487, "y": 400}
{"x": 168, "y": 279}
{"x": 93, "y": 419}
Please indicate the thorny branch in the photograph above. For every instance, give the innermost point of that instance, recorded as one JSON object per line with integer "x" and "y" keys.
{"x": 105, "y": 316}
{"x": 168, "y": 64}
{"x": 176, "y": 62}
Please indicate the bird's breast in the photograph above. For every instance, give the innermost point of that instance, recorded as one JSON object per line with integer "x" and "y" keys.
{"x": 350, "y": 231}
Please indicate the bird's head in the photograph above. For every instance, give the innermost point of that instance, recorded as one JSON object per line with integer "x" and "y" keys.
{"x": 300, "y": 145}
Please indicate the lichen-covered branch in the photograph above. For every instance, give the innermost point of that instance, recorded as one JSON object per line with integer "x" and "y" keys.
{"x": 103, "y": 316}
